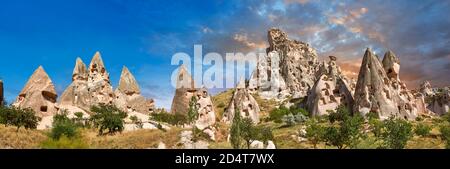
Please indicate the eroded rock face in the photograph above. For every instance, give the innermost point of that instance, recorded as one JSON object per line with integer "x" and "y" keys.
{"x": 436, "y": 100}
{"x": 288, "y": 70}
{"x": 38, "y": 94}
{"x": 128, "y": 95}
{"x": 184, "y": 92}
{"x": 383, "y": 93}
{"x": 77, "y": 94}
{"x": 244, "y": 101}
{"x": 99, "y": 86}
{"x": 330, "y": 90}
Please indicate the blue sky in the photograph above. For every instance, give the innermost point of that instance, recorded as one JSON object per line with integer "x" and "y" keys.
{"x": 143, "y": 35}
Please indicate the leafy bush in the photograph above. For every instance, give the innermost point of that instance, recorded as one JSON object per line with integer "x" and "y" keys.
{"x": 445, "y": 134}
{"x": 422, "y": 130}
{"x": 138, "y": 122}
{"x": 277, "y": 115}
{"x": 108, "y": 117}
{"x": 63, "y": 126}
{"x": 192, "y": 114}
{"x": 396, "y": 133}
{"x": 289, "y": 120}
{"x": 376, "y": 126}
{"x": 173, "y": 119}
{"x": 314, "y": 131}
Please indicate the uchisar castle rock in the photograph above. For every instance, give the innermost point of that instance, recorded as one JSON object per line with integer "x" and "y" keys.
{"x": 290, "y": 71}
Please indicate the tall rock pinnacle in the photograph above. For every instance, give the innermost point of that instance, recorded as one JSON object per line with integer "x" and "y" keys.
{"x": 128, "y": 95}
{"x": 184, "y": 92}
{"x": 38, "y": 94}
{"x": 289, "y": 68}
{"x": 382, "y": 93}
{"x": 244, "y": 102}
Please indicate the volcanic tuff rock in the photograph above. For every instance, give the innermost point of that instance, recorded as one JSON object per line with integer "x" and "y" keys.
{"x": 437, "y": 100}
{"x": 128, "y": 95}
{"x": 330, "y": 90}
{"x": 184, "y": 92}
{"x": 288, "y": 70}
{"x": 77, "y": 93}
{"x": 99, "y": 85}
{"x": 244, "y": 101}
{"x": 38, "y": 94}
{"x": 379, "y": 89}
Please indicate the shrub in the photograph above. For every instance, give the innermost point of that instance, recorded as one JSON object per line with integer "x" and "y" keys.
{"x": 79, "y": 120}
{"x": 63, "y": 126}
{"x": 445, "y": 134}
{"x": 276, "y": 115}
{"x": 192, "y": 114}
{"x": 108, "y": 117}
{"x": 173, "y": 119}
{"x": 138, "y": 122}
{"x": 396, "y": 133}
{"x": 422, "y": 130}
{"x": 376, "y": 126}
{"x": 314, "y": 131}
{"x": 262, "y": 133}
{"x": 289, "y": 120}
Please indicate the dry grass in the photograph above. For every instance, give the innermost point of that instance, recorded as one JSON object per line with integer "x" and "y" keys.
{"x": 221, "y": 101}
{"x": 23, "y": 139}
{"x": 140, "y": 139}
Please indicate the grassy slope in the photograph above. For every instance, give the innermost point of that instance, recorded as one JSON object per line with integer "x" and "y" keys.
{"x": 22, "y": 139}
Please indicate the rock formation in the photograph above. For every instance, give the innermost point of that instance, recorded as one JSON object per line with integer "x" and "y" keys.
{"x": 330, "y": 90}
{"x": 38, "y": 94}
{"x": 380, "y": 90}
{"x": 288, "y": 70}
{"x": 184, "y": 92}
{"x": 244, "y": 101}
{"x": 436, "y": 100}
{"x": 77, "y": 95}
{"x": 2, "y": 99}
{"x": 90, "y": 86}
{"x": 99, "y": 85}
{"x": 128, "y": 95}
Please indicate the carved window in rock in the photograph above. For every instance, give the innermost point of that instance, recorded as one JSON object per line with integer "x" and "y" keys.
{"x": 43, "y": 108}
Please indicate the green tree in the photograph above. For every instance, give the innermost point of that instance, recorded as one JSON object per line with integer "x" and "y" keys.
{"x": 192, "y": 112}
{"x": 25, "y": 118}
{"x": 247, "y": 131}
{"x": 314, "y": 131}
{"x": 348, "y": 132}
{"x": 108, "y": 117}
{"x": 396, "y": 133}
{"x": 235, "y": 130}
